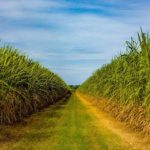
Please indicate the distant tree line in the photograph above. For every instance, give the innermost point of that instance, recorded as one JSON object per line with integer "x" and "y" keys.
{"x": 74, "y": 87}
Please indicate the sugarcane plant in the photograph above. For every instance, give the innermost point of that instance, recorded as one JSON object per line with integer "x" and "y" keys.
{"x": 127, "y": 78}
{"x": 25, "y": 86}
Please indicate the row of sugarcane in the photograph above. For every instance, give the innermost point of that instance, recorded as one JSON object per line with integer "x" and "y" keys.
{"x": 25, "y": 86}
{"x": 127, "y": 78}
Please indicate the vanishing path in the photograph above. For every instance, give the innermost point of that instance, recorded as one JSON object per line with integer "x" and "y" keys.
{"x": 74, "y": 124}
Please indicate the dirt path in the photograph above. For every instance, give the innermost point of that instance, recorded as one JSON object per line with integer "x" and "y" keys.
{"x": 63, "y": 126}
{"x": 73, "y": 124}
{"x": 129, "y": 137}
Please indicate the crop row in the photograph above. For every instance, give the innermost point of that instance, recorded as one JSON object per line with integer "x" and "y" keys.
{"x": 25, "y": 86}
{"x": 127, "y": 78}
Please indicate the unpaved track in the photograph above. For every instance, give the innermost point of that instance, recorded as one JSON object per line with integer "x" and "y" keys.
{"x": 129, "y": 137}
{"x": 73, "y": 124}
{"x": 68, "y": 125}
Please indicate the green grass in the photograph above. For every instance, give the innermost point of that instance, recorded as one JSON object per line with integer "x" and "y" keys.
{"x": 66, "y": 126}
{"x": 37, "y": 132}
{"x": 78, "y": 131}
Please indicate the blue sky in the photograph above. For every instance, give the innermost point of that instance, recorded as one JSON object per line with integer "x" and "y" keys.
{"x": 72, "y": 37}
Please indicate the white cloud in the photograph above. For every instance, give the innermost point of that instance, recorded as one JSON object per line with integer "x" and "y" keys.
{"x": 72, "y": 44}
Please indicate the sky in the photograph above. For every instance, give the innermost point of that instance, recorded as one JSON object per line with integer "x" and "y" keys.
{"x": 72, "y": 38}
